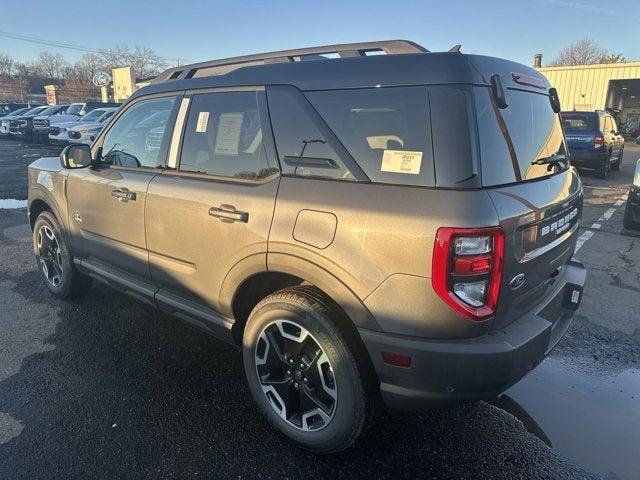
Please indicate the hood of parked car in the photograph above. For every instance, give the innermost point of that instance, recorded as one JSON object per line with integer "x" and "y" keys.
{"x": 63, "y": 118}
{"x": 87, "y": 125}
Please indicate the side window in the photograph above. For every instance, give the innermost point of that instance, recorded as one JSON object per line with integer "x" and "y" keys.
{"x": 386, "y": 131}
{"x": 223, "y": 136}
{"x": 302, "y": 147}
{"x": 136, "y": 138}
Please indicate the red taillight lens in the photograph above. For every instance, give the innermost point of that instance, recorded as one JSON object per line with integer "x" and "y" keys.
{"x": 467, "y": 269}
{"x": 598, "y": 142}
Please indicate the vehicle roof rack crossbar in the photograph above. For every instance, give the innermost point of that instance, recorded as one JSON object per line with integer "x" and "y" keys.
{"x": 343, "y": 50}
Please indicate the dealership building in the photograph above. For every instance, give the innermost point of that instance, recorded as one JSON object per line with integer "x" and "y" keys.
{"x": 614, "y": 87}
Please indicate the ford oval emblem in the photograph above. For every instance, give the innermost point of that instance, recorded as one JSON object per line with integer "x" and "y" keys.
{"x": 517, "y": 281}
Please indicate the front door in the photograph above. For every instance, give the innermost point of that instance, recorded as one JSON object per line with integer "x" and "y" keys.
{"x": 215, "y": 209}
{"x": 107, "y": 200}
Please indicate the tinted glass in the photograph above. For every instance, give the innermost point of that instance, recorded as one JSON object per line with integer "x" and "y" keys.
{"x": 386, "y": 130}
{"x": 75, "y": 109}
{"x": 223, "y": 136}
{"x": 136, "y": 138}
{"x": 454, "y": 136}
{"x": 303, "y": 148}
{"x": 512, "y": 138}
{"x": 577, "y": 122}
{"x": 92, "y": 116}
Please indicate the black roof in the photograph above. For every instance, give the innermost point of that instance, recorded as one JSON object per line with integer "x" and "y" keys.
{"x": 400, "y": 69}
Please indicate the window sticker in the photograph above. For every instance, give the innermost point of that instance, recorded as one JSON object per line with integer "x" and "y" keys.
{"x": 228, "y": 135}
{"x": 400, "y": 161}
{"x": 203, "y": 121}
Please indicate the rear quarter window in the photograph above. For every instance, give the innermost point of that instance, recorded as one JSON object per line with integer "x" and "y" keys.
{"x": 386, "y": 130}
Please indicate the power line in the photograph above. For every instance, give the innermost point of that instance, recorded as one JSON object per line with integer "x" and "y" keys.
{"x": 72, "y": 46}
{"x": 41, "y": 41}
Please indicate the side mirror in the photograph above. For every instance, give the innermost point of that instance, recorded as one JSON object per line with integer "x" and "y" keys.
{"x": 636, "y": 176}
{"x": 76, "y": 156}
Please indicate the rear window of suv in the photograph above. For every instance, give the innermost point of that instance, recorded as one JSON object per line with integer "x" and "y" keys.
{"x": 579, "y": 122}
{"x": 511, "y": 139}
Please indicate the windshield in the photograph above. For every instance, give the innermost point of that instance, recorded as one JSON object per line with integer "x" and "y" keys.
{"x": 75, "y": 108}
{"x": 93, "y": 115}
{"x": 20, "y": 111}
{"x": 36, "y": 110}
{"x": 579, "y": 122}
{"x": 51, "y": 110}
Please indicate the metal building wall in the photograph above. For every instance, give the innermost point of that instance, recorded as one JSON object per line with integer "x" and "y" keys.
{"x": 585, "y": 87}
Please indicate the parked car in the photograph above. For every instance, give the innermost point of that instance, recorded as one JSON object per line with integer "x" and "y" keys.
{"x": 78, "y": 110}
{"x": 82, "y": 131}
{"x": 593, "y": 141}
{"x": 399, "y": 225}
{"x": 8, "y": 108}
{"x": 41, "y": 122}
{"x": 4, "y": 121}
{"x": 22, "y": 126}
{"x": 631, "y": 219}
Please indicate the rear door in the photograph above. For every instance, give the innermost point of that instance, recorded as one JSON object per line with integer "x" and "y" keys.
{"x": 618, "y": 139}
{"x": 539, "y": 206}
{"x": 215, "y": 208}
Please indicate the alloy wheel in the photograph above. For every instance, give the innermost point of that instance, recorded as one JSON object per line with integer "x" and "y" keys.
{"x": 50, "y": 255}
{"x": 296, "y": 375}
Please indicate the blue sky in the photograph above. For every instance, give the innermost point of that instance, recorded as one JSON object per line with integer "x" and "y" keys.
{"x": 197, "y": 30}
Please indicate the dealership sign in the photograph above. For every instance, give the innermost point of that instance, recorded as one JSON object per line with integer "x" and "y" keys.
{"x": 101, "y": 79}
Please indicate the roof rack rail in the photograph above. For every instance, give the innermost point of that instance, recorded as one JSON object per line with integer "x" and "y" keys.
{"x": 343, "y": 50}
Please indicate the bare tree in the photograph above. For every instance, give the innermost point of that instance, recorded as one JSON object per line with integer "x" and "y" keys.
{"x": 52, "y": 65}
{"x": 585, "y": 52}
{"x": 6, "y": 64}
{"x": 144, "y": 61}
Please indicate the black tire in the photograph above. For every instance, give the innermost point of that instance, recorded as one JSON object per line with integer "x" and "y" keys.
{"x": 53, "y": 256}
{"x": 616, "y": 166}
{"x": 345, "y": 365}
{"x": 603, "y": 170}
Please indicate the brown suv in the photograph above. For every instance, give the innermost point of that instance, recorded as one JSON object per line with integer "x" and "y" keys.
{"x": 398, "y": 226}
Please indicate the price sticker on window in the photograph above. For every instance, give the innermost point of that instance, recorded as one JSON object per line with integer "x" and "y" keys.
{"x": 401, "y": 161}
{"x": 203, "y": 121}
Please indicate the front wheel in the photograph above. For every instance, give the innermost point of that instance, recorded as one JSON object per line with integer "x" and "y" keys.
{"x": 55, "y": 262}
{"x": 304, "y": 373}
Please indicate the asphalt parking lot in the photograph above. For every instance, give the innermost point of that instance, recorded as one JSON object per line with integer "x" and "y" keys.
{"x": 105, "y": 387}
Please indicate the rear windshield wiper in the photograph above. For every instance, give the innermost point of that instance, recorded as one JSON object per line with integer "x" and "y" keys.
{"x": 551, "y": 160}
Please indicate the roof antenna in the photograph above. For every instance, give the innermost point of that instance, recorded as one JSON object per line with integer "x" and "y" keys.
{"x": 455, "y": 49}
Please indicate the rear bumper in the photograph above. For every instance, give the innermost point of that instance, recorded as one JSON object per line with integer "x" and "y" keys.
{"x": 588, "y": 159}
{"x": 453, "y": 371}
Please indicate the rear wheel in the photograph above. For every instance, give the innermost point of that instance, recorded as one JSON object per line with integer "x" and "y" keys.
{"x": 616, "y": 166}
{"x": 304, "y": 374}
{"x": 55, "y": 262}
{"x": 603, "y": 170}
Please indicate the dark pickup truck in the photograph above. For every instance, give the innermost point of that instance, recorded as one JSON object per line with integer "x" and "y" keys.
{"x": 593, "y": 140}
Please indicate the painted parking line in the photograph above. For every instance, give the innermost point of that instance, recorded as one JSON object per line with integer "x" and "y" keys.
{"x": 607, "y": 215}
{"x": 598, "y": 225}
{"x": 583, "y": 238}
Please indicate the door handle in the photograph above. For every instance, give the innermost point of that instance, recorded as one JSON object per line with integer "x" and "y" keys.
{"x": 228, "y": 214}
{"x": 124, "y": 195}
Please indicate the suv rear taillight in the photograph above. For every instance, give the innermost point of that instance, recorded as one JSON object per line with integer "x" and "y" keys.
{"x": 467, "y": 269}
{"x": 598, "y": 142}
